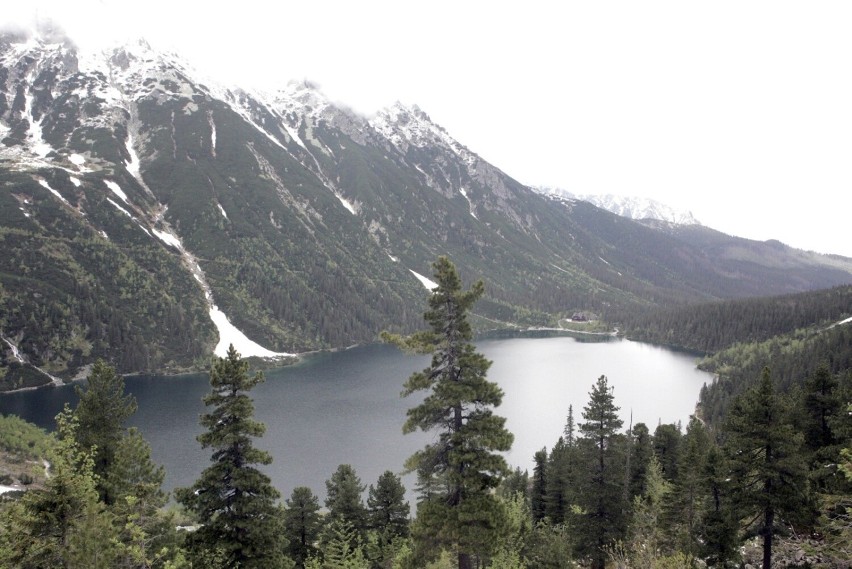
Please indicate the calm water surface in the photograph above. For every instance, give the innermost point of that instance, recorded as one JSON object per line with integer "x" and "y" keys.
{"x": 345, "y": 407}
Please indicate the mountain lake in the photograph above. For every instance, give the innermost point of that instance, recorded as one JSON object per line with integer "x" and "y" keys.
{"x": 345, "y": 407}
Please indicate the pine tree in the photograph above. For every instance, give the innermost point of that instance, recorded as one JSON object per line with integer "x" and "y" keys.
{"x": 602, "y": 500}
{"x": 344, "y": 498}
{"x": 127, "y": 480}
{"x": 560, "y": 491}
{"x": 387, "y": 514}
{"x": 560, "y": 483}
{"x": 458, "y": 406}
{"x": 302, "y": 525}
{"x": 640, "y": 456}
{"x": 666, "y": 449}
{"x": 234, "y": 501}
{"x": 570, "y": 428}
{"x": 768, "y": 471}
{"x": 690, "y": 491}
{"x": 341, "y": 547}
{"x": 821, "y": 407}
{"x": 386, "y": 506}
{"x": 718, "y": 526}
{"x": 101, "y": 414}
{"x": 538, "y": 494}
{"x": 145, "y": 532}
{"x": 821, "y": 403}
{"x": 646, "y": 528}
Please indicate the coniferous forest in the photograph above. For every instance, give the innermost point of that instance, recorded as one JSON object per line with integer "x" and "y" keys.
{"x": 765, "y": 481}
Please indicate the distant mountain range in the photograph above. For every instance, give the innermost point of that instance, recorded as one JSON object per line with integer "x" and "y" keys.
{"x": 149, "y": 216}
{"x": 632, "y": 207}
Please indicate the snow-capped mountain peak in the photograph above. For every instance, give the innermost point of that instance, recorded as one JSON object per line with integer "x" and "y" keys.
{"x": 632, "y": 207}
{"x": 407, "y": 125}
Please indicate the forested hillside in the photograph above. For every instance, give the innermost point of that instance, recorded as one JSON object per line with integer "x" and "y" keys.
{"x": 793, "y": 335}
{"x": 714, "y": 326}
{"x": 792, "y": 358}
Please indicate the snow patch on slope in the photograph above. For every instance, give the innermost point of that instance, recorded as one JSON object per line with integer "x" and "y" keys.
{"x": 133, "y": 165}
{"x": 15, "y": 352}
{"x": 121, "y": 209}
{"x": 425, "y": 281}
{"x": 79, "y": 161}
{"x": 168, "y": 238}
{"x": 34, "y": 134}
{"x": 230, "y": 334}
{"x": 346, "y": 203}
{"x": 841, "y": 323}
{"x": 44, "y": 184}
{"x": 116, "y": 189}
{"x": 212, "y": 124}
{"x": 469, "y": 202}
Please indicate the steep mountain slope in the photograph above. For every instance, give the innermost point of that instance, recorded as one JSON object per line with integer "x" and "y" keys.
{"x": 150, "y": 217}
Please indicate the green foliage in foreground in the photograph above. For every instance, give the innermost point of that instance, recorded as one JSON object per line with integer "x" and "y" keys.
{"x": 603, "y": 495}
{"x": 66, "y": 522}
{"x": 23, "y": 439}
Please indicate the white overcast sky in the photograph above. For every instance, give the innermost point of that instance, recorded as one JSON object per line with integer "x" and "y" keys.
{"x": 738, "y": 111}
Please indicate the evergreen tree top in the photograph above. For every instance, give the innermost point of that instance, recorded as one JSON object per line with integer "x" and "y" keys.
{"x": 601, "y": 413}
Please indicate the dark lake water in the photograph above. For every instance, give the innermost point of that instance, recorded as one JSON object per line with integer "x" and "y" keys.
{"x": 345, "y": 407}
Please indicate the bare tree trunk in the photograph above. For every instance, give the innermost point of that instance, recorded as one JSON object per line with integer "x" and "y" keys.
{"x": 769, "y": 520}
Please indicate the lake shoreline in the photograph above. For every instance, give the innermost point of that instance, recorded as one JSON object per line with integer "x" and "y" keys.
{"x": 268, "y": 364}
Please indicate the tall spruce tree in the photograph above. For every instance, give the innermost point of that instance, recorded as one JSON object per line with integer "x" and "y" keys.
{"x": 101, "y": 413}
{"x": 561, "y": 472}
{"x": 538, "y": 494}
{"x": 234, "y": 501}
{"x": 569, "y": 432}
{"x": 559, "y": 484}
{"x": 127, "y": 480}
{"x": 821, "y": 409}
{"x": 387, "y": 513}
{"x": 465, "y": 515}
{"x": 647, "y": 524}
{"x": 302, "y": 525}
{"x": 387, "y": 509}
{"x": 344, "y": 498}
{"x": 640, "y": 456}
{"x": 768, "y": 471}
{"x": 718, "y": 525}
{"x": 602, "y": 500}
{"x": 690, "y": 491}
{"x": 667, "y": 448}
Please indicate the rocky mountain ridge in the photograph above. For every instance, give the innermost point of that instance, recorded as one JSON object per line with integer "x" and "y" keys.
{"x": 632, "y": 207}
